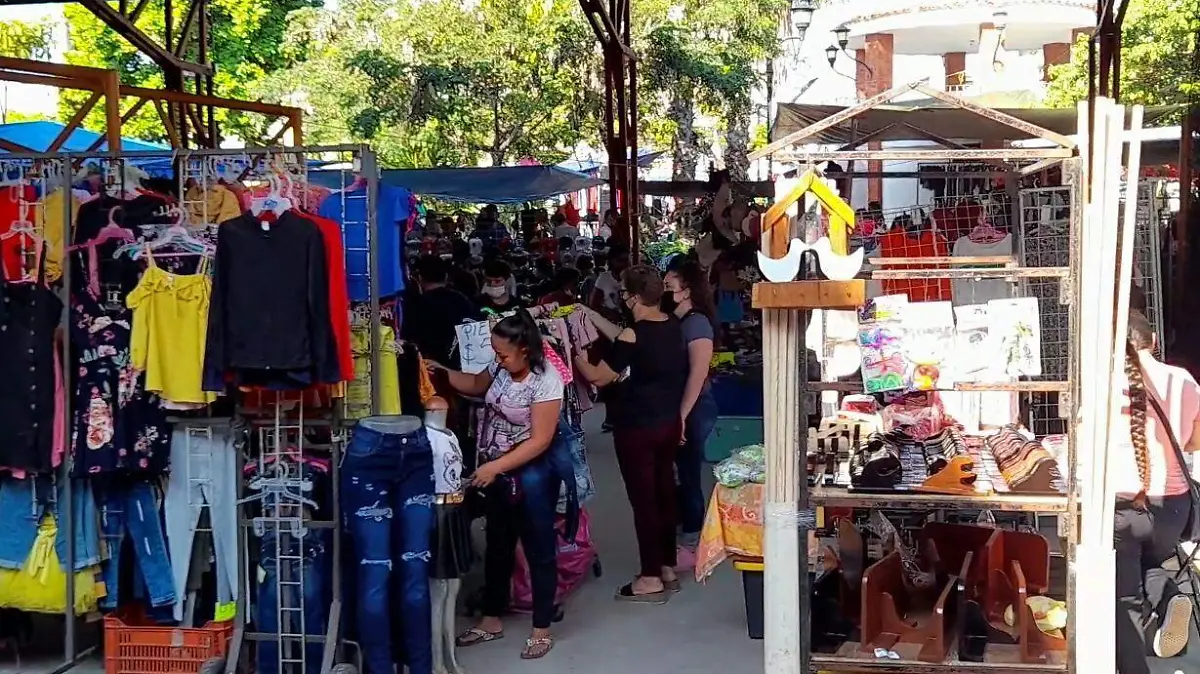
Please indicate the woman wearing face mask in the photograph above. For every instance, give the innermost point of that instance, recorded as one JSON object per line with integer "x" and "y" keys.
{"x": 497, "y": 292}
{"x": 523, "y": 394}
{"x": 689, "y": 297}
{"x": 647, "y": 425}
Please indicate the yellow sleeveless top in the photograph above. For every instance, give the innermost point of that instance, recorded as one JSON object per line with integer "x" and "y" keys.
{"x": 170, "y": 325}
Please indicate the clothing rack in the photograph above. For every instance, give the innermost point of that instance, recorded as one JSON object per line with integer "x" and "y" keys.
{"x": 204, "y": 168}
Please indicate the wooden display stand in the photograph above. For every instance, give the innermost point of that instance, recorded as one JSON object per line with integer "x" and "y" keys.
{"x": 889, "y": 610}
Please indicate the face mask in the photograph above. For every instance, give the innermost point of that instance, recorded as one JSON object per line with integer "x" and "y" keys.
{"x": 668, "y": 303}
{"x": 495, "y": 292}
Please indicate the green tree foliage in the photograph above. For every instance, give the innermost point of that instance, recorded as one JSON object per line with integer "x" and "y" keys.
{"x": 1158, "y": 40}
{"x": 25, "y": 39}
{"x": 446, "y": 83}
{"x": 22, "y": 40}
{"x": 705, "y": 57}
{"x": 247, "y": 44}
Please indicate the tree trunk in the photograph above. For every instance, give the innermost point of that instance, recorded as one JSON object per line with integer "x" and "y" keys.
{"x": 685, "y": 153}
{"x": 737, "y": 141}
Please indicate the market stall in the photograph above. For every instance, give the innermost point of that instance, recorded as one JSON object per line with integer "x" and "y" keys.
{"x": 941, "y": 425}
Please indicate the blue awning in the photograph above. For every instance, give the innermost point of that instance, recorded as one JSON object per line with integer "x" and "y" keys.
{"x": 498, "y": 185}
{"x": 646, "y": 157}
{"x": 38, "y": 136}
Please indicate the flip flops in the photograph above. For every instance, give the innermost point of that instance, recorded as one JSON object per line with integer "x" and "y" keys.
{"x": 625, "y": 593}
{"x": 475, "y": 636}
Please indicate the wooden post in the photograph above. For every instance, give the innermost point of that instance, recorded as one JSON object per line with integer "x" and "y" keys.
{"x": 784, "y": 558}
{"x": 783, "y": 554}
{"x": 112, "y": 110}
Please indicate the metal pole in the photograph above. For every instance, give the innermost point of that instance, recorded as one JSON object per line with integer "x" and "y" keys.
{"x": 69, "y": 636}
{"x": 371, "y": 171}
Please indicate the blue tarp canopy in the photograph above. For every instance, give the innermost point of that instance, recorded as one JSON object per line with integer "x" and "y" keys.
{"x": 646, "y": 157}
{"x": 498, "y": 185}
{"x": 38, "y": 136}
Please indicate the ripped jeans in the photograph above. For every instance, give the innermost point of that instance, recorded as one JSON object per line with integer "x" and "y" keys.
{"x": 387, "y": 506}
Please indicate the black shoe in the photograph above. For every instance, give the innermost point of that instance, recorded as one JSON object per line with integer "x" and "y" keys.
{"x": 876, "y": 464}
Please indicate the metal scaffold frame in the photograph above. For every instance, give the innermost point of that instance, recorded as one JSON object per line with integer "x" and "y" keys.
{"x": 280, "y": 431}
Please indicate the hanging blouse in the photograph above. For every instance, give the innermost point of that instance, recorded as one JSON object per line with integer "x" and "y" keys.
{"x": 118, "y": 426}
{"x": 170, "y": 323}
{"x": 29, "y": 315}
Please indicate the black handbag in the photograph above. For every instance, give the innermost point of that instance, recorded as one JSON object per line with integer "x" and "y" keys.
{"x": 1191, "y": 532}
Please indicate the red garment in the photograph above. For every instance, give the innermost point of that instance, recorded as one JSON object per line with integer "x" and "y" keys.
{"x": 955, "y": 223}
{"x": 339, "y": 297}
{"x": 570, "y": 213}
{"x": 14, "y": 250}
{"x": 899, "y": 243}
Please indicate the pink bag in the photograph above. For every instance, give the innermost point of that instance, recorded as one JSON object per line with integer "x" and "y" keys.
{"x": 575, "y": 559}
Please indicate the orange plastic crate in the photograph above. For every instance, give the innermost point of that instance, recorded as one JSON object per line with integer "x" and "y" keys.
{"x": 152, "y": 649}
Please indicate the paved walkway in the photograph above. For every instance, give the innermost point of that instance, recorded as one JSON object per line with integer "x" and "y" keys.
{"x": 701, "y": 631}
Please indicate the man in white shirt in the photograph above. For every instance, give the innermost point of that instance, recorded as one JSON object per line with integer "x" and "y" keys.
{"x": 562, "y": 228}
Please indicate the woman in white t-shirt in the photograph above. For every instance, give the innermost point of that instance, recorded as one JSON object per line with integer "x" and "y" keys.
{"x": 523, "y": 395}
{"x": 1153, "y": 501}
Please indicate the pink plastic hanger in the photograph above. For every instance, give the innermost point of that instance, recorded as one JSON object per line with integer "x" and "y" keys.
{"x": 984, "y": 232}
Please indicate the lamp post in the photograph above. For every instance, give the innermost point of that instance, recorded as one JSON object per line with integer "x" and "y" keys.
{"x": 802, "y": 14}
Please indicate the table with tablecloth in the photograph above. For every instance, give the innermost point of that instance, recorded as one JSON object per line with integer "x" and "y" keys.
{"x": 732, "y": 527}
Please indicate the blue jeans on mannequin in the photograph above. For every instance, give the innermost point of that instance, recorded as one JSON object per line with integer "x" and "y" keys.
{"x": 387, "y": 507}
{"x": 521, "y": 506}
{"x": 689, "y": 462}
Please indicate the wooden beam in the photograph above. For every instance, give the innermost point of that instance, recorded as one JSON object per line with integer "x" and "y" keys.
{"x": 112, "y": 111}
{"x": 125, "y": 117}
{"x": 47, "y": 80}
{"x": 591, "y": 7}
{"x": 228, "y": 103}
{"x": 74, "y": 122}
{"x": 1011, "y": 154}
{"x": 189, "y": 22}
{"x": 833, "y": 120}
{"x": 193, "y": 113}
{"x": 137, "y": 10}
{"x": 997, "y": 116}
{"x": 139, "y": 39}
{"x": 810, "y": 295}
{"x": 59, "y": 69}
{"x": 860, "y": 141}
{"x": 172, "y": 132}
{"x": 929, "y": 135}
{"x": 14, "y": 147}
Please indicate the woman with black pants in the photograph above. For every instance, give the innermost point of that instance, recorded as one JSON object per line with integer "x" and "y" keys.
{"x": 518, "y": 476}
{"x": 651, "y": 360}
{"x": 1153, "y": 502}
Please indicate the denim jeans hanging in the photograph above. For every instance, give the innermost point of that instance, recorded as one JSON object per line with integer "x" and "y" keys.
{"x": 22, "y": 505}
{"x": 132, "y": 509}
{"x": 387, "y": 507}
{"x": 305, "y": 586}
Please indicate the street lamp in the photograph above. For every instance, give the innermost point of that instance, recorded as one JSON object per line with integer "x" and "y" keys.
{"x": 802, "y": 14}
{"x": 842, "y": 34}
{"x": 831, "y": 54}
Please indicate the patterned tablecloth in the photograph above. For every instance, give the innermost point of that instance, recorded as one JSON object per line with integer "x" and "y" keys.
{"x": 732, "y": 526}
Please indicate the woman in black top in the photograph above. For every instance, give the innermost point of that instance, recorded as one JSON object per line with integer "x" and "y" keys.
{"x": 651, "y": 360}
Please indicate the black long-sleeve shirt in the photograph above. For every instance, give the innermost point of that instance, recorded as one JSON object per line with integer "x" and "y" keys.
{"x": 270, "y": 301}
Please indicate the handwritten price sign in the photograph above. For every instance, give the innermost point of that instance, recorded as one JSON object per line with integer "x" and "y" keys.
{"x": 475, "y": 346}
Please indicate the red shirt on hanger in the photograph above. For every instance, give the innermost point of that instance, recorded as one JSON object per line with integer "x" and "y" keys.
{"x": 339, "y": 297}
{"x": 899, "y": 243}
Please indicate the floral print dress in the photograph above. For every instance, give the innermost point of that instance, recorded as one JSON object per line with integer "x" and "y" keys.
{"x": 118, "y": 427}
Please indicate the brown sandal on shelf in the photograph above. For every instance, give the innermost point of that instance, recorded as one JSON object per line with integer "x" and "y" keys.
{"x": 537, "y": 648}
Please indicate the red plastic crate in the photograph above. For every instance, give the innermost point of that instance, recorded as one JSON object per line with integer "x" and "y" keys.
{"x": 152, "y": 649}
